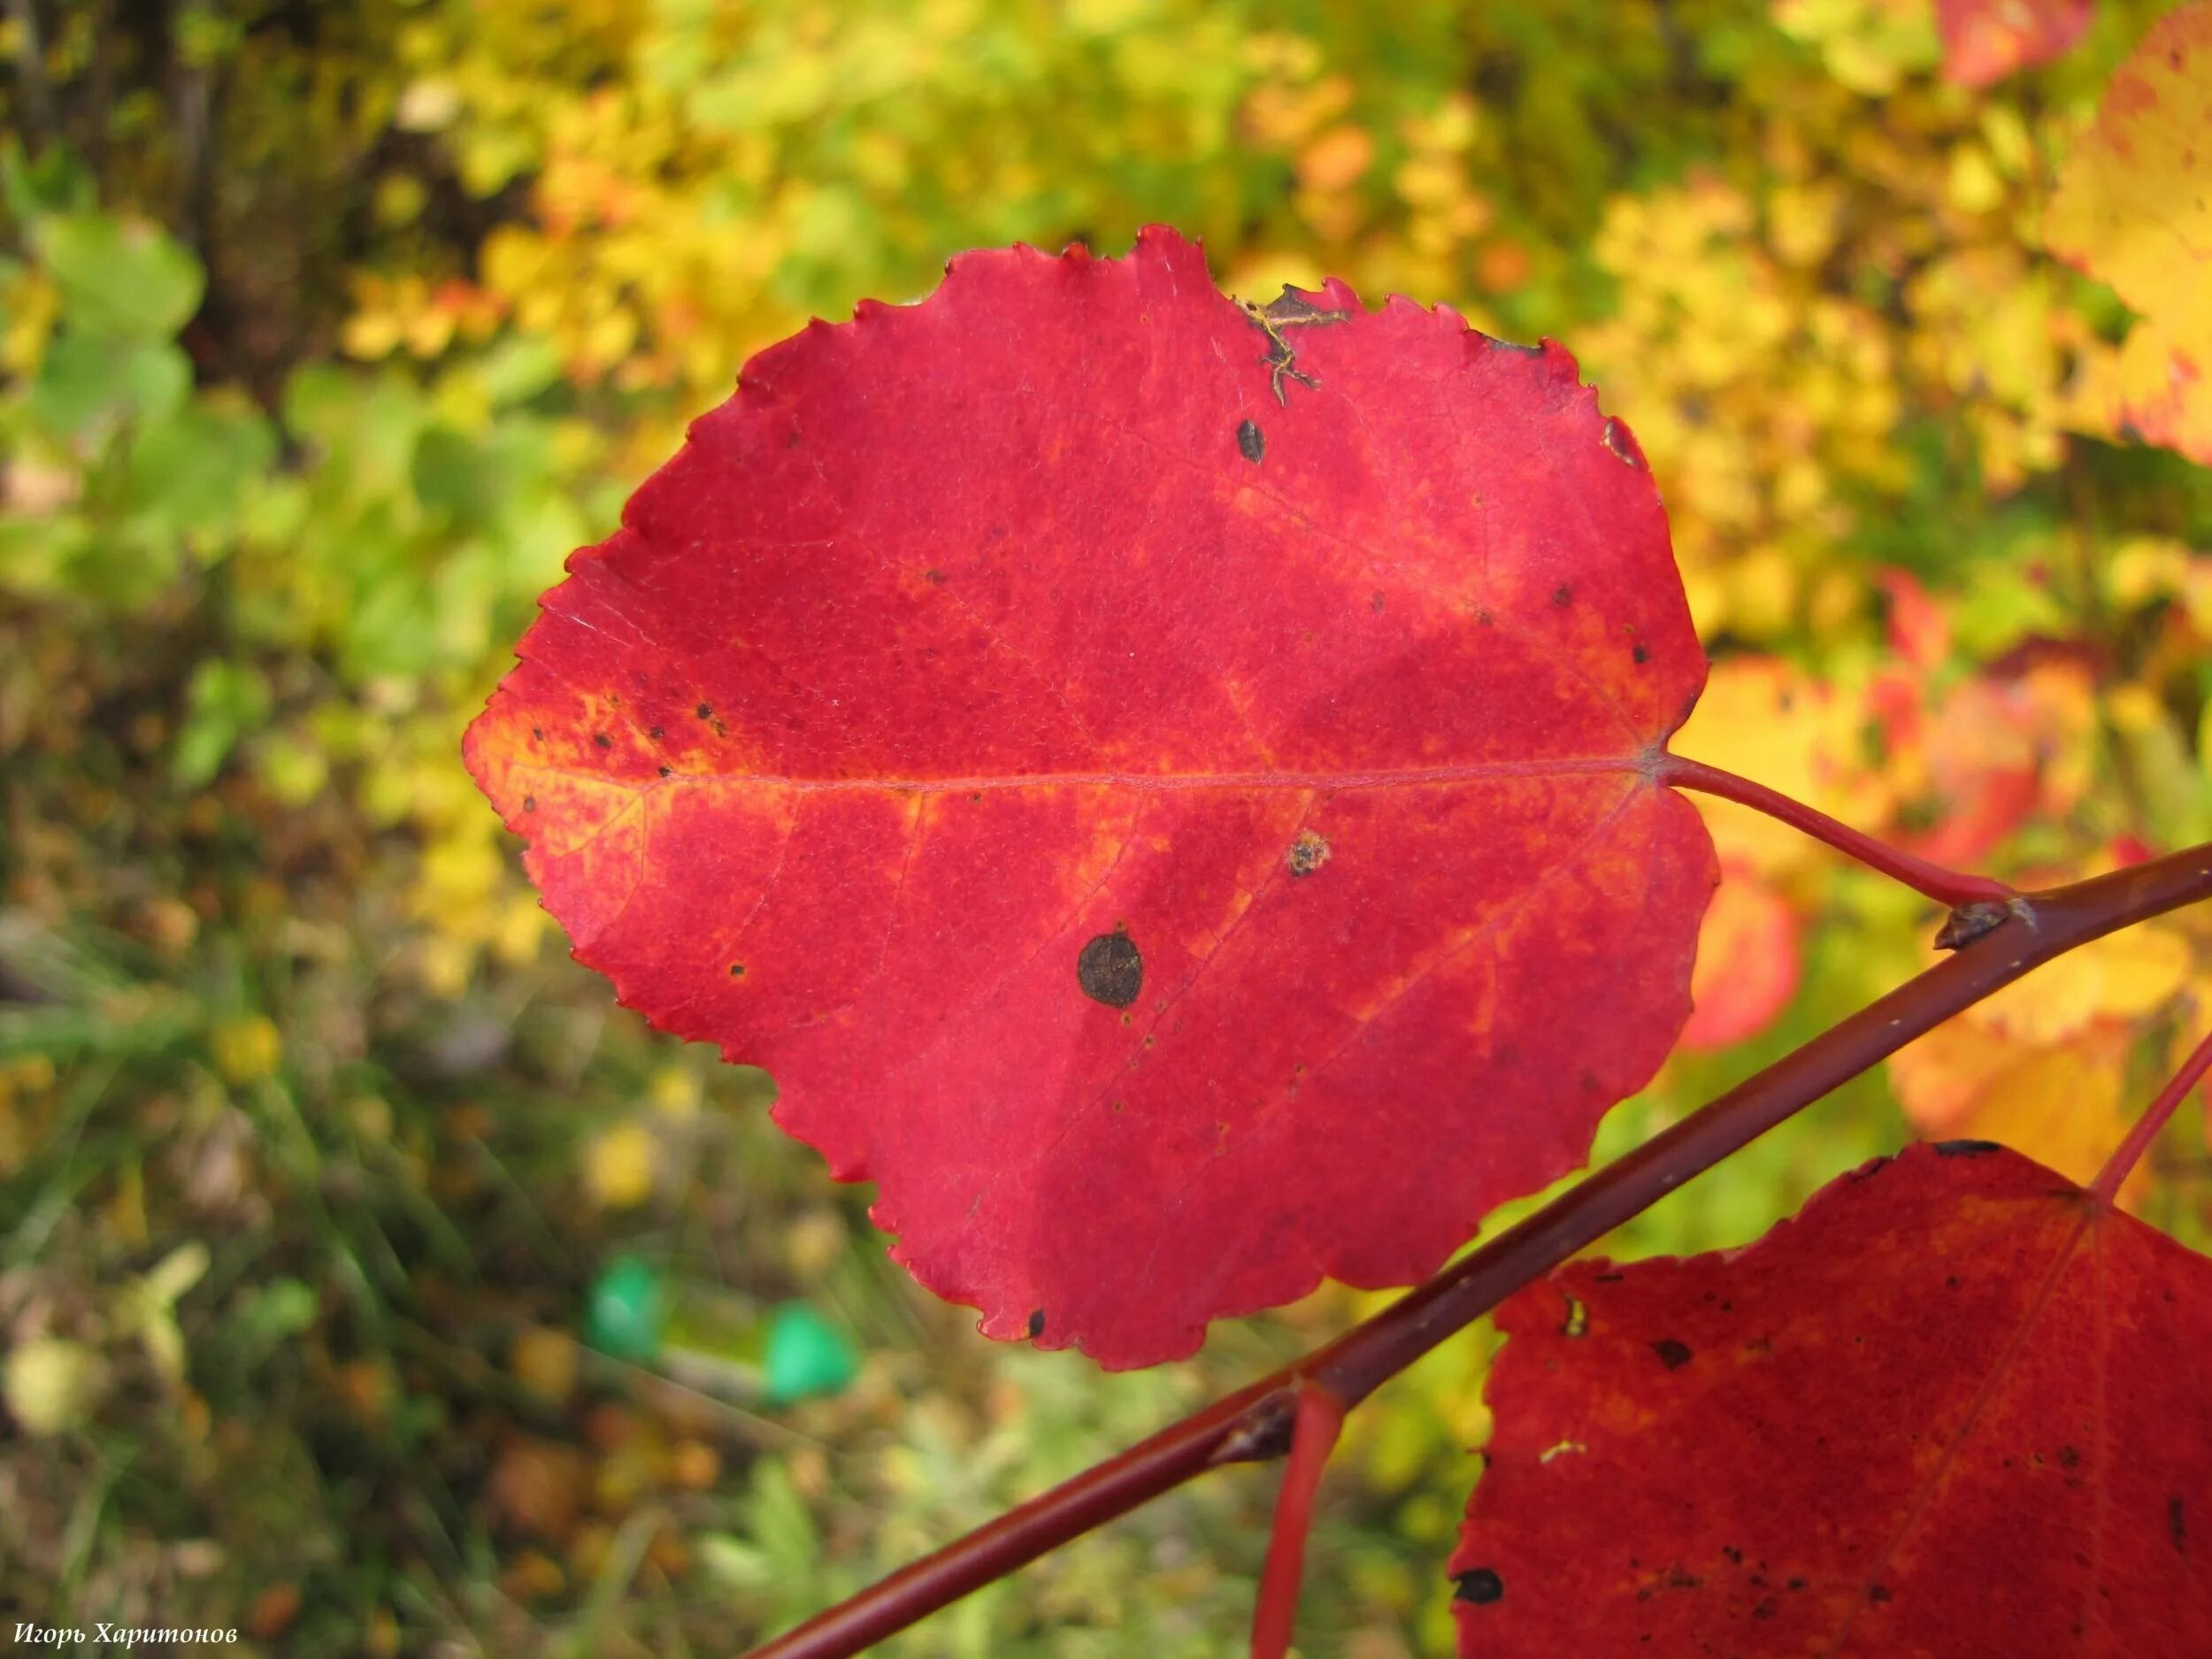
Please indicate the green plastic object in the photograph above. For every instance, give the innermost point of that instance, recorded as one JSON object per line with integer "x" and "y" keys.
{"x": 624, "y": 1310}
{"x": 807, "y": 1355}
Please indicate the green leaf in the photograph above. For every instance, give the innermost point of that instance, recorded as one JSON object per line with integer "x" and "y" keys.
{"x": 227, "y": 700}
{"x": 54, "y": 183}
{"x": 191, "y": 473}
{"x": 87, "y": 379}
{"x": 124, "y": 280}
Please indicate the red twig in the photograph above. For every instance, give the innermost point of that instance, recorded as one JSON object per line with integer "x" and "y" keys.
{"x": 1254, "y": 1422}
{"x": 1315, "y": 1427}
{"x": 1945, "y": 887}
{"x": 2154, "y": 1119}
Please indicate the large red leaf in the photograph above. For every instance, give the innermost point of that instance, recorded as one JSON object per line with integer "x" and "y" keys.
{"x": 1165, "y": 790}
{"x": 1958, "y": 1406}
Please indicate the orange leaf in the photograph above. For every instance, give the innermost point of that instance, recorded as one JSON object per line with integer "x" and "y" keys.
{"x": 1747, "y": 966}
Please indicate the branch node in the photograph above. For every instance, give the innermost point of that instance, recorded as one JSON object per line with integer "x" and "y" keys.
{"x": 1264, "y": 1433}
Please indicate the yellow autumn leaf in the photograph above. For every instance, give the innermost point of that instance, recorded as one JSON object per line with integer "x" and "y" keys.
{"x": 2122, "y": 976}
{"x": 1770, "y": 721}
{"x": 674, "y": 1091}
{"x": 52, "y": 1384}
{"x": 248, "y": 1048}
{"x": 618, "y": 1166}
{"x": 1938, "y": 1077}
{"x": 2064, "y": 1107}
{"x": 2063, "y": 1104}
{"x": 2134, "y": 210}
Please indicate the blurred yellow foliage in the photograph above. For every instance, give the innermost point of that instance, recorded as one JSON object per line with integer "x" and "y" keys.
{"x": 618, "y": 1166}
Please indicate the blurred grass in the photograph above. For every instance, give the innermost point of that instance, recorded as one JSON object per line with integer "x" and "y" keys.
{"x": 326, "y": 332}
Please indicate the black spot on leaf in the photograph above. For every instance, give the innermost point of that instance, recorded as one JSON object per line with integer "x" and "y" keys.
{"x": 705, "y": 712}
{"x": 1674, "y": 1355}
{"x": 1478, "y": 1587}
{"x": 1110, "y": 970}
{"x": 1965, "y": 1148}
{"x": 1036, "y": 1323}
{"x": 1563, "y": 595}
{"x": 1251, "y": 441}
{"x": 1641, "y": 655}
{"x": 603, "y": 739}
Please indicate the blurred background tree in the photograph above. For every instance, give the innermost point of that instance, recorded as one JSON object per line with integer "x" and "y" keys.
{"x": 367, "y": 1280}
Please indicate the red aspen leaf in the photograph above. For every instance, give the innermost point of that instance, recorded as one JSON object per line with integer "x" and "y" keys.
{"x": 1972, "y": 765}
{"x": 1984, "y": 41}
{"x": 1151, "y": 781}
{"x": 1957, "y": 1406}
{"x": 1919, "y": 633}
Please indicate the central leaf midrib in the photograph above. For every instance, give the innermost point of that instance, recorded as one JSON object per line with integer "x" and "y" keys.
{"x": 1379, "y": 778}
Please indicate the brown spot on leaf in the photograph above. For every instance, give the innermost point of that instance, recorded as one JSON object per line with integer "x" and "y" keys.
{"x": 603, "y": 739}
{"x": 1617, "y": 439}
{"x": 934, "y": 577}
{"x": 1563, "y": 595}
{"x": 1307, "y": 854}
{"x": 529, "y": 803}
{"x": 1640, "y": 655}
{"x": 1110, "y": 970}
